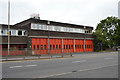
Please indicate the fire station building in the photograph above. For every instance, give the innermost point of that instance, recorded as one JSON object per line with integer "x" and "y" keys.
{"x": 44, "y": 36}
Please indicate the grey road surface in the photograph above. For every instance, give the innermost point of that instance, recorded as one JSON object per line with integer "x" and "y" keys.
{"x": 80, "y": 66}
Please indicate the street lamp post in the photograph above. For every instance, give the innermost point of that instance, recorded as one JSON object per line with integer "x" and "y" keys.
{"x": 84, "y": 39}
{"x": 9, "y": 27}
{"x": 48, "y": 22}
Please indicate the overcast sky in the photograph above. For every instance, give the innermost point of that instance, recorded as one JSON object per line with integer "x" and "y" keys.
{"x": 82, "y": 12}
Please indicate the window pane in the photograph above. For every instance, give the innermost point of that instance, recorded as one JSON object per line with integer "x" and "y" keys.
{"x": 45, "y": 47}
{"x": 4, "y": 32}
{"x": 24, "y": 32}
{"x": 13, "y": 32}
{"x": 37, "y": 46}
{"x": 57, "y": 28}
{"x": 19, "y": 32}
{"x": 50, "y": 46}
{"x": 34, "y": 47}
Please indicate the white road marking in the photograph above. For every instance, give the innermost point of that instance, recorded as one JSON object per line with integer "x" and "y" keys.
{"x": 55, "y": 75}
{"x": 22, "y": 66}
{"x": 14, "y": 66}
{"x": 29, "y": 65}
{"x": 108, "y": 58}
{"x": 77, "y": 71}
{"x": 79, "y": 61}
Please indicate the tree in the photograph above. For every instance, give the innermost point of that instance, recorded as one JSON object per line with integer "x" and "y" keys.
{"x": 107, "y": 33}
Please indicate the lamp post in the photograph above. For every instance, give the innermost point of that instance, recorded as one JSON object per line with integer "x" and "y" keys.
{"x": 48, "y": 23}
{"x": 84, "y": 39}
{"x": 9, "y": 27}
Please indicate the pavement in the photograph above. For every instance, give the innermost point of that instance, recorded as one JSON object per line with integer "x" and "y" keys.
{"x": 102, "y": 65}
{"x": 16, "y": 58}
{"x": 12, "y": 58}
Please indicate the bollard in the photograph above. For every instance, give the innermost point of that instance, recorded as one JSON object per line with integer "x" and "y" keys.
{"x": 71, "y": 54}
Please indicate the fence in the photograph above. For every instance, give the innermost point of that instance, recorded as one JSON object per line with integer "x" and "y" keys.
{"x": 34, "y": 53}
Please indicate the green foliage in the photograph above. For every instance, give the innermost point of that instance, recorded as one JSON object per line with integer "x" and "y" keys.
{"x": 107, "y": 33}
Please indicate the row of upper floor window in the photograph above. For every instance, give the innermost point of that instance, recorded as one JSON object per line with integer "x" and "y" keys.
{"x": 13, "y": 32}
{"x": 58, "y": 28}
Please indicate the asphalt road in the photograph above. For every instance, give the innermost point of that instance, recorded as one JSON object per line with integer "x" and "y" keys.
{"x": 103, "y": 65}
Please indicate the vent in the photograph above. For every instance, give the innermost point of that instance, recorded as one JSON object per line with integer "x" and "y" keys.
{"x": 35, "y": 16}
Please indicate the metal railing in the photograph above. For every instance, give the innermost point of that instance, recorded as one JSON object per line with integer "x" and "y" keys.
{"x": 30, "y": 54}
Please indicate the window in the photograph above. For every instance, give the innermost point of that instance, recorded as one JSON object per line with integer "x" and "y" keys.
{"x": 56, "y": 28}
{"x": 75, "y": 46}
{"x": 37, "y": 46}
{"x": 83, "y": 31}
{"x": 64, "y": 46}
{"x": 80, "y": 46}
{"x": 72, "y": 46}
{"x": 50, "y": 46}
{"x": 19, "y": 32}
{"x": 24, "y": 33}
{"x": 53, "y": 46}
{"x": 45, "y": 27}
{"x": 56, "y": 46}
{"x": 33, "y": 46}
{"x": 44, "y": 46}
{"x": 41, "y": 47}
{"x": 59, "y": 46}
{"x": 89, "y": 46}
{"x": 64, "y": 29}
{"x": 42, "y": 27}
{"x": 14, "y": 32}
{"x": 32, "y": 26}
{"x": 4, "y": 32}
{"x": 50, "y": 28}
{"x": 10, "y": 32}
{"x": 69, "y": 46}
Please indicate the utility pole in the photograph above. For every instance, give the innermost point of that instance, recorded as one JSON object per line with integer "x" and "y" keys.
{"x": 84, "y": 39}
{"x": 48, "y": 23}
{"x": 9, "y": 27}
